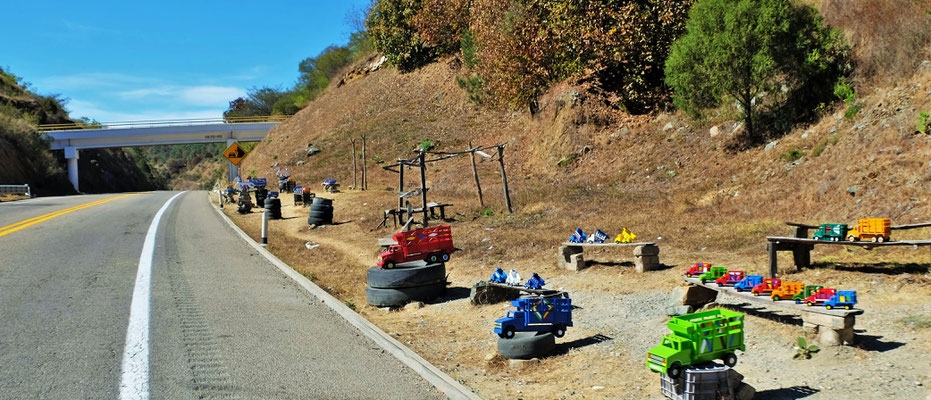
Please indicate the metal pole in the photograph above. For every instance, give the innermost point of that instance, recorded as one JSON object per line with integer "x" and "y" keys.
{"x": 265, "y": 227}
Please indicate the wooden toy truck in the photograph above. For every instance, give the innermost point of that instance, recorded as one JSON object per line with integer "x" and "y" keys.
{"x": 873, "y": 229}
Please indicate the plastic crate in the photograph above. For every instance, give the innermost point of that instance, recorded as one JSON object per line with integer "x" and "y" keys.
{"x": 701, "y": 382}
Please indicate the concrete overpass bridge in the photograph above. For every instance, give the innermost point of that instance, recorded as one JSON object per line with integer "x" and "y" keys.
{"x": 74, "y": 137}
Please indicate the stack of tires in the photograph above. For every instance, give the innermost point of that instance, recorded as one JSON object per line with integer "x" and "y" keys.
{"x": 407, "y": 282}
{"x": 321, "y": 212}
{"x": 273, "y": 207}
{"x": 260, "y": 194}
{"x": 245, "y": 203}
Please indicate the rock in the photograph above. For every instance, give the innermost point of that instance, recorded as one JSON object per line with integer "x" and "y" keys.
{"x": 414, "y": 305}
{"x": 853, "y": 190}
{"x": 829, "y": 337}
{"x": 771, "y": 145}
{"x": 714, "y": 131}
{"x": 833, "y": 130}
{"x": 737, "y": 127}
{"x": 523, "y": 364}
{"x": 669, "y": 125}
{"x": 678, "y": 310}
{"x": 677, "y": 295}
{"x": 692, "y": 296}
{"x": 299, "y": 163}
{"x": 646, "y": 250}
{"x": 576, "y": 262}
{"x": 597, "y": 387}
{"x": 313, "y": 150}
{"x": 620, "y": 132}
{"x": 490, "y": 356}
{"x": 744, "y": 392}
{"x": 805, "y": 135}
{"x": 483, "y": 293}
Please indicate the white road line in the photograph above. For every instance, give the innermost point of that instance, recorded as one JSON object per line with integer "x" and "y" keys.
{"x": 134, "y": 382}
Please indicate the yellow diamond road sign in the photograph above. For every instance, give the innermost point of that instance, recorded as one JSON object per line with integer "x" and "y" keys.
{"x": 234, "y": 153}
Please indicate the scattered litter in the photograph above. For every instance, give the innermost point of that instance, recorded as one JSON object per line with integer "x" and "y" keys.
{"x": 309, "y": 245}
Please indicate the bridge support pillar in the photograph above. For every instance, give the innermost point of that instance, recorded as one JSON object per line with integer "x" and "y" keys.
{"x": 71, "y": 154}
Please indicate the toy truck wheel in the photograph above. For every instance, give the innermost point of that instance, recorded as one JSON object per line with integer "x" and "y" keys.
{"x": 389, "y": 264}
{"x": 720, "y": 285}
{"x": 756, "y": 293}
{"x": 738, "y": 289}
{"x": 775, "y": 298}
{"x": 851, "y": 238}
{"x": 828, "y": 306}
{"x": 873, "y": 239}
{"x": 508, "y": 332}
{"x": 559, "y": 331}
{"x": 730, "y": 359}
{"x": 674, "y": 371}
{"x": 810, "y": 304}
{"x": 444, "y": 257}
{"x": 433, "y": 258}
{"x": 797, "y": 301}
{"x": 880, "y": 239}
{"x": 847, "y": 307}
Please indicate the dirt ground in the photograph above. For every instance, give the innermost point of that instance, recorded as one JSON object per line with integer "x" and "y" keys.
{"x": 621, "y": 313}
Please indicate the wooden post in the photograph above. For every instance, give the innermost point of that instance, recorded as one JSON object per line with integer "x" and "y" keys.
{"x": 504, "y": 177}
{"x": 353, "y": 141}
{"x": 773, "y": 260}
{"x": 365, "y": 177}
{"x": 400, "y": 183}
{"x": 423, "y": 184}
{"x": 478, "y": 185}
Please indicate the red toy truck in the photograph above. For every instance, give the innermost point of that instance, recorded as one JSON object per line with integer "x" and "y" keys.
{"x": 730, "y": 278}
{"x": 698, "y": 269}
{"x": 822, "y": 295}
{"x": 431, "y": 244}
{"x": 767, "y": 286}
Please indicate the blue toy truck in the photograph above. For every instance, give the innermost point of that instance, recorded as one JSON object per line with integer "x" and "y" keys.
{"x": 541, "y": 314}
{"x": 578, "y": 237}
{"x": 843, "y": 298}
{"x": 748, "y": 283}
{"x": 499, "y": 276}
{"x": 597, "y": 237}
{"x": 535, "y": 282}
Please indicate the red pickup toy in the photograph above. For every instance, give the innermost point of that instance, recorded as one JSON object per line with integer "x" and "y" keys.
{"x": 730, "y": 278}
{"x": 822, "y": 295}
{"x": 767, "y": 286}
{"x": 432, "y": 244}
{"x": 698, "y": 269}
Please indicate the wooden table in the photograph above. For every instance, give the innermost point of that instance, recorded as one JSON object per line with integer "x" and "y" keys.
{"x": 801, "y": 248}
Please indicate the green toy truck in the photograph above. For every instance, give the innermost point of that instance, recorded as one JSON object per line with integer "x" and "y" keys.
{"x": 697, "y": 338}
{"x": 807, "y": 291}
{"x": 713, "y": 274}
{"x": 831, "y": 232}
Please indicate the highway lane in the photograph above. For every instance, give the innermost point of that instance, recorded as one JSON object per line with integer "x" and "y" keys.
{"x": 224, "y": 321}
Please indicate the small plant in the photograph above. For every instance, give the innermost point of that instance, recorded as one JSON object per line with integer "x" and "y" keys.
{"x": 274, "y": 156}
{"x": 792, "y": 155}
{"x": 474, "y": 87}
{"x": 351, "y": 304}
{"x": 924, "y": 121}
{"x": 819, "y": 148}
{"x": 487, "y": 212}
{"x": 852, "y": 111}
{"x": 844, "y": 91}
{"x": 803, "y": 350}
{"x": 426, "y": 145}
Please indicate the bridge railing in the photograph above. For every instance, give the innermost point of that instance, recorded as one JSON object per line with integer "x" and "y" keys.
{"x": 158, "y": 123}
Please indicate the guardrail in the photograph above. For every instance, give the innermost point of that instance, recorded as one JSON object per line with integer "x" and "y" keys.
{"x": 155, "y": 123}
{"x": 16, "y": 189}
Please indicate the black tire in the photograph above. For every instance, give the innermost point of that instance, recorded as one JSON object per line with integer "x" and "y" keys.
{"x": 322, "y": 215}
{"x": 400, "y": 296}
{"x": 507, "y": 333}
{"x": 272, "y": 203}
{"x": 382, "y": 278}
{"x": 318, "y": 207}
{"x": 730, "y": 359}
{"x": 559, "y": 331}
{"x": 527, "y": 345}
{"x": 674, "y": 371}
{"x": 390, "y": 264}
{"x": 323, "y": 201}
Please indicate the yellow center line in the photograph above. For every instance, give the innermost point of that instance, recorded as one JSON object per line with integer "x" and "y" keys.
{"x": 6, "y": 230}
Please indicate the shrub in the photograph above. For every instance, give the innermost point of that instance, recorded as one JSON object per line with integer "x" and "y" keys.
{"x": 792, "y": 155}
{"x": 391, "y": 27}
{"x": 803, "y": 350}
{"x": 441, "y": 24}
{"x": 819, "y": 148}
{"x": 923, "y": 119}
{"x": 473, "y": 86}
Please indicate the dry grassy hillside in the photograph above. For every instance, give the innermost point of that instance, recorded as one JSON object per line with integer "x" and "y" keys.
{"x": 660, "y": 175}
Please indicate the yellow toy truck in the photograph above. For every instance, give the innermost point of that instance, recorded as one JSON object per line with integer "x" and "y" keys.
{"x": 786, "y": 290}
{"x": 873, "y": 229}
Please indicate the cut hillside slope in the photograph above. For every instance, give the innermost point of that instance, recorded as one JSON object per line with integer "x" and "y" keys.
{"x": 25, "y": 158}
{"x": 575, "y": 163}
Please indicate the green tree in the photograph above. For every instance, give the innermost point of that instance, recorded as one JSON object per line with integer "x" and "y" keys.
{"x": 391, "y": 27}
{"x": 258, "y": 102}
{"x": 749, "y": 51}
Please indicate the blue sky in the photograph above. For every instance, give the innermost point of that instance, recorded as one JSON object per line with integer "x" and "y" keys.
{"x": 129, "y": 60}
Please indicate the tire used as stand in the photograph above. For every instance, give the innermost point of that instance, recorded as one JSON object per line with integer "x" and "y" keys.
{"x": 527, "y": 345}
{"x": 382, "y": 297}
{"x": 423, "y": 274}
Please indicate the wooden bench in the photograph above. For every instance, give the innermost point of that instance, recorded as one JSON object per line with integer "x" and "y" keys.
{"x": 646, "y": 255}
{"x": 833, "y": 326}
{"x": 398, "y": 216}
{"x": 800, "y": 245}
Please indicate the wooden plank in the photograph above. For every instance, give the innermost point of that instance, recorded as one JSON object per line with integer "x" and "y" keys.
{"x": 766, "y": 301}
{"x": 607, "y": 244}
{"x": 783, "y": 239}
{"x": 801, "y": 225}
{"x": 911, "y": 226}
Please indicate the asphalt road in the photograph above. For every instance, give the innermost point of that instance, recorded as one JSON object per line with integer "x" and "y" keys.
{"x": 224, "y": 322}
